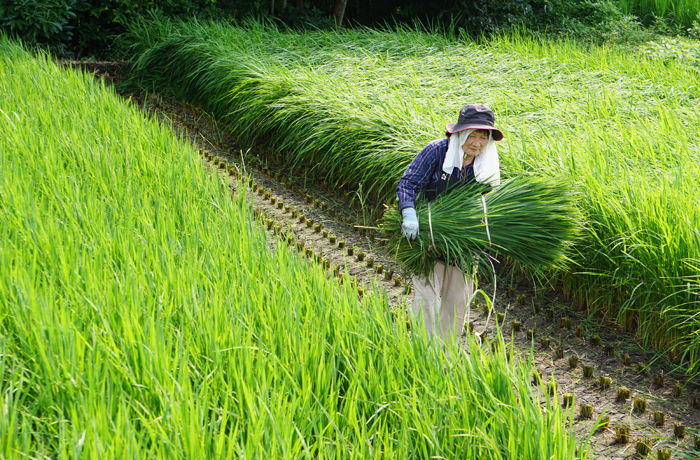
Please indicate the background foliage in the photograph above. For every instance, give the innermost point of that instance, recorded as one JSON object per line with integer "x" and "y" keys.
{"x": 82, "y": 28}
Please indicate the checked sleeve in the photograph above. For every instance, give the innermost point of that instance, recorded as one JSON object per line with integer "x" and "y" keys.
{"x": 420, "y": 173}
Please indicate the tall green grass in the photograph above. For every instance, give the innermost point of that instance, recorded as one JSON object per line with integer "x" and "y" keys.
{"x": 145, "y": 316}
{"x": 355, "y": 106}
{"x": 683, "y": 12}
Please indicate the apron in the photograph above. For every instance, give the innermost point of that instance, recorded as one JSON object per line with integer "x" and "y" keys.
{"x": 449, "y": 182}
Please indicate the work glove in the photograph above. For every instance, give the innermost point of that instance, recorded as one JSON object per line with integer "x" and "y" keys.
{"x": 409, "y": 226}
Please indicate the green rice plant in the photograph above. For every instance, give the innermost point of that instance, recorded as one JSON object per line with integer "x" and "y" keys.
{"x": 694, "y": 402}
{"x": 677, "y": 390}
{"x": 659, "y": 419}
{"x": 139, "y": 313}
{"x": 587, "y": 371}
{"x": 643, "y": 369}
{"x": 663, "y": 454}
{"x": 643, "y": 447}
{"x": 660, "y": 379}
{"x": 586, "y": 411}
{"x": 622, "y": 434}
{"x": 568, "y": 399}
{"x": 678, "y": 431}
{"x": 640, "y": 404}
{"x": 573, "y": 361}
{"x": 623, "y": 393}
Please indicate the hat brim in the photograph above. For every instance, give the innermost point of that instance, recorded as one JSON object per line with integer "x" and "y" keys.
{"x": 452, "y": 128}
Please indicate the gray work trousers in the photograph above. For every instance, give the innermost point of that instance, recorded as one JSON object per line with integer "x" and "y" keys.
{"x": 443, "y": 300}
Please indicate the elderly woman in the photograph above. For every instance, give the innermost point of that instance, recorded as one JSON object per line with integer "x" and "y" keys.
{"x": 468, "y": 154}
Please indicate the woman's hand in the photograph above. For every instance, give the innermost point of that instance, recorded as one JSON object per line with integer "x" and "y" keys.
{"x": 409, "y": 226}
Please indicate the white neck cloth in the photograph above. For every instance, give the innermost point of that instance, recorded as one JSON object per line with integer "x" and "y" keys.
{"x": 487, "y": 169}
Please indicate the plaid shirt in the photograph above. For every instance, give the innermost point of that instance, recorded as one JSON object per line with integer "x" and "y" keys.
{"x": 424, "y": 172}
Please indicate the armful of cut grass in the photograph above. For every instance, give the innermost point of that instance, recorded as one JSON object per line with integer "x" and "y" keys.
{"x": 533, "y": 220}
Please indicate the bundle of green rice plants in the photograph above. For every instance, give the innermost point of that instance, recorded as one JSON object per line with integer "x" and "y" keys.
{"x": 531, "y": 219}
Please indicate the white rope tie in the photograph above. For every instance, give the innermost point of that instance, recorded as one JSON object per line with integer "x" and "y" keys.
{"x": 430, "y": 225}
{"x": 486, "y": 219}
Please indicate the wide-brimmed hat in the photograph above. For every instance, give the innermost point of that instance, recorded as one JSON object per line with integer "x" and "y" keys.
{"x": 475, "y": 116}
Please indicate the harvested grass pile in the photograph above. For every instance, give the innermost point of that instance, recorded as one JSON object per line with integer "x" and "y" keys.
{"x": 532, "y": 220}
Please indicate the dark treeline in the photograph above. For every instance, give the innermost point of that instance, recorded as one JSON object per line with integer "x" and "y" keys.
{"x": 96, "y": 27}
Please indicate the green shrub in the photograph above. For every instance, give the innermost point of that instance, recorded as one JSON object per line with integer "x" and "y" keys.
{"x": 95, "y": 28}
{"x": 49, "y": 22}
{"x": 595, "y": 21}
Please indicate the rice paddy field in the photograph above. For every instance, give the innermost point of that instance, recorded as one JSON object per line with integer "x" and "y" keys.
{"x": 684, "y": 12}
{"x": 145, "y": 315}
{"x": 354, "y": 107}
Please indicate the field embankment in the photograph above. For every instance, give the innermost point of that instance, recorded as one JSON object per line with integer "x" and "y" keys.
{"x": 353, "y": 108}
{"x": 144, "y": 314}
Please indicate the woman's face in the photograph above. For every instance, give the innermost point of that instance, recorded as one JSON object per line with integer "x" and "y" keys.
{"x": 476, "y": 142}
